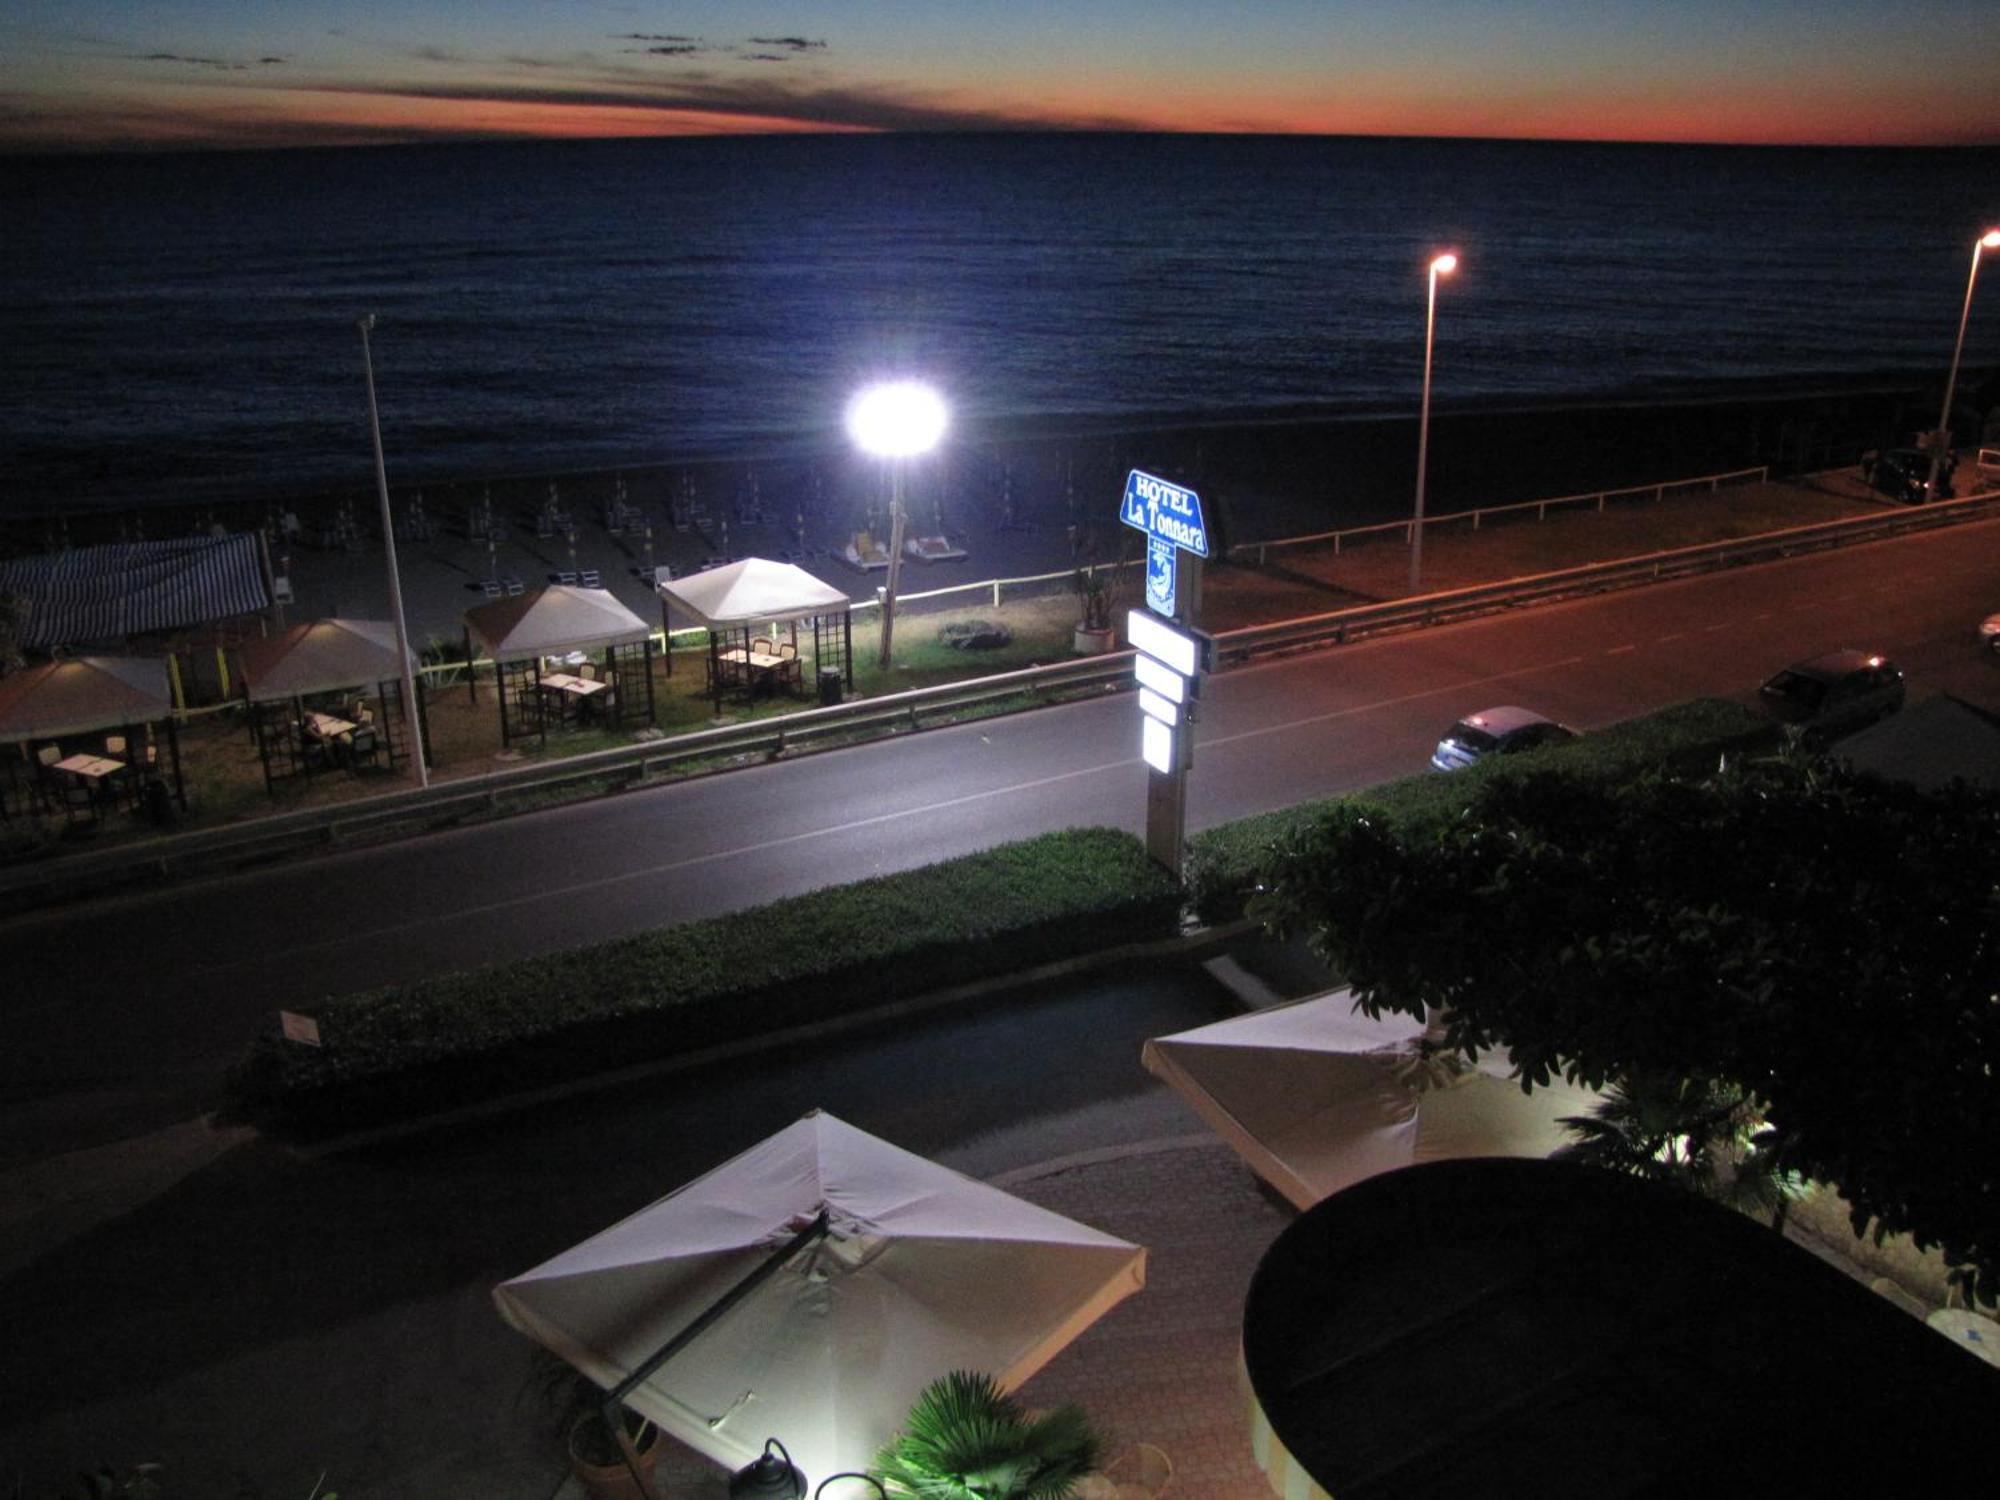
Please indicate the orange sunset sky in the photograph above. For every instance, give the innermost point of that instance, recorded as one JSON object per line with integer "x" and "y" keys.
{"x": 115, "y": 74}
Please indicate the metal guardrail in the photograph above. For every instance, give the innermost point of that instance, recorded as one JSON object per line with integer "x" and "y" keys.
{"x": 1339, "y": 626}
{"x": 452, "y": 801}
{"x": 1541, "y": 508}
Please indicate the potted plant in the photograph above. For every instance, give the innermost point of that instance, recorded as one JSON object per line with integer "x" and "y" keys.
{"x": 965, "y": 1440}
{"x": 610, "y": 1465}
{"x": 1094, "y": 635}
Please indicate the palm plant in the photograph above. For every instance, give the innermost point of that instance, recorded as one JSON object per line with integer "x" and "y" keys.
{"x": 1702, "y": 1135}
{"x": 965, "y": 1440}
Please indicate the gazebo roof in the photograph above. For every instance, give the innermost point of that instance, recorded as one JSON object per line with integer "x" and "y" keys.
{"x": 320, "y": 657}
{"x": 755, "y": 589}
{"x": 553, "y": 620}
{"x": 83, "y": 693}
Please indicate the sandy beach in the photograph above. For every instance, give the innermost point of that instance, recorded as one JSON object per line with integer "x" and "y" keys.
{"x": 1013, "y": 502}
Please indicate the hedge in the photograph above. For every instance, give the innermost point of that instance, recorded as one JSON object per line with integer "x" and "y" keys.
{"x": 1226, "y": 864}
{"x": 457, "y": 1039}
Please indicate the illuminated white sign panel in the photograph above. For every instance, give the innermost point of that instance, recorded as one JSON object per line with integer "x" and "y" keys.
{"x": 1153, "y": 706}
{"x": 1157, "y": 640}
{"x": 1156, "y": 744}
{"x": 1168, "y": 683}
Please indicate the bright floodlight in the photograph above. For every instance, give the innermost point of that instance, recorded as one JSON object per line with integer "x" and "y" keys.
{"x": 1444, "y": 265}
{"x": 896, "y": 420}
{"x": 1991, "y": 239}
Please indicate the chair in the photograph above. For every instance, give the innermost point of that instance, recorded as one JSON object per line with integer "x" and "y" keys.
{"x": 1141, "y": 1472}
{"x": 590, "y": 578}
{"x": 514, "y": 587}
{"x": 763, "y": 646}
{"x": 790, "y": 669}
{"x": 114, "y": 746}
{"x": 587, "y": 671}
{"x": 362, "y": 745}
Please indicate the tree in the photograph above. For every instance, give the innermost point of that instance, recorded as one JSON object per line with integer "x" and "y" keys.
{"x": 1830, "y": 945}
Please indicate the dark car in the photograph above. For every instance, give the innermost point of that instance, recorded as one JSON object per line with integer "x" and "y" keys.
{"x": 1834, "y": 694}
{"x": 1496, "y": 731}
{"x": 1903, "y": 474}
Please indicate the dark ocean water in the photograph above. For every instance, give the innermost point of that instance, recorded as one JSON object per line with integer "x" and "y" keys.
{"x": 182, "y": 327}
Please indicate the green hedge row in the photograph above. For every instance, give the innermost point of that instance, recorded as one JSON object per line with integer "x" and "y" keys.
{"x": 1225, "y": 864}
{"x": 442, "y": 1043}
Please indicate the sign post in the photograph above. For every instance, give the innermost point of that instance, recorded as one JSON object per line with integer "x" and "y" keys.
{"x": 1168, "y": 664}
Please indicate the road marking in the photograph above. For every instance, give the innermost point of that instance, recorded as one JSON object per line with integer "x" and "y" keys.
{"x": 1678, "y": 635}
{"x": 1620, "y": 650}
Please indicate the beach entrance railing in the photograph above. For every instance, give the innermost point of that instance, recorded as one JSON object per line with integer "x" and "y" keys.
{"x": 1593, "y": 499}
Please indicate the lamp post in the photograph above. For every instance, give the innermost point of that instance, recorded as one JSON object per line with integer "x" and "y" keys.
{"x": 1987, "y": 241}
{"x": 411, "y": 718}
{"x": 1442, "y": 265}
{"x": 895, "y": 421}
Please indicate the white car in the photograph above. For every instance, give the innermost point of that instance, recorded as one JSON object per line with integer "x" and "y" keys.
{"x": 1496, "y": 731}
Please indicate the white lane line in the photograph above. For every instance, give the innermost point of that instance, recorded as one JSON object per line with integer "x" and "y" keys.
{"x": 1620, "y": 650}
{"x": 1678, "y": 635}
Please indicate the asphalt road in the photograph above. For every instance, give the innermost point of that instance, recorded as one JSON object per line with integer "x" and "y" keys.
{"x": 136, "y": 1004}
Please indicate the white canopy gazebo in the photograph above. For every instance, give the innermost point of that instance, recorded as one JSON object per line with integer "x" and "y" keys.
{"x": 740, "y": 597}
{"x": 916, "y": 1272}
{"x": 325, "y": 656}
{"x": 84, "y": 695}
{"x": 557, "y": 622}
{"x": 1315, "y": 1096}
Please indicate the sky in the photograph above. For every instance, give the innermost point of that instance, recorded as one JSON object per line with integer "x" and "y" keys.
{"x": 153, "y": 74}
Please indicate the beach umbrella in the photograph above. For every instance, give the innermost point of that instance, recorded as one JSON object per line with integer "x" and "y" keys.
{"x": 1315, "y": 1096}
{"x": 918, "y": 1271}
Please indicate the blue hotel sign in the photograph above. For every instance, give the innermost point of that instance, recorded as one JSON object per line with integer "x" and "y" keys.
{"x": 1171, "y": 518}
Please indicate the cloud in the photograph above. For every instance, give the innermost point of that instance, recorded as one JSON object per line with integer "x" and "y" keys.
{"x": 220, "y": 64}
{"x": 781, "y": 101}
{"x": 651, "y": 36}
{"x": 675, "y": 50}
{"x": 790, "y": 43}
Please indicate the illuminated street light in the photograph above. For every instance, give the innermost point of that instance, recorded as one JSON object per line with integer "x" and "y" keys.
{"x": 896, "y": 421}
{"x": 412, "y": 720}
{"x": 1442, "y": 265}
{"x": 1987, "y": 241}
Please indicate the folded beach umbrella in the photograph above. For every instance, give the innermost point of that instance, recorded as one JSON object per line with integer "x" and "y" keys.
{"x": 921, "y": 1271}
{"x": 1315, "y": 1096}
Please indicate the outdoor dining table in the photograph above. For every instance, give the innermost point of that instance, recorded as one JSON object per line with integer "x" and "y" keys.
{"x": 94, "y": 768}
{"x": 572, "y": 689}
{"x": 763, "y": 667}
{"x": 327, "y": 727}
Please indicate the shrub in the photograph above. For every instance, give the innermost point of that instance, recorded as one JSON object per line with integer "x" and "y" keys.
{"x": 1226, "y": 864}
{"x": 459, "y": 1038}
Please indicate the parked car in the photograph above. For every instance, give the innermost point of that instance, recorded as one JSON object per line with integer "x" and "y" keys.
{"x": 1834, "y": 694}
{"x": 1903, "y": 473}
{"x": 1496, "y": 731}
{"x": 1989, "y": 631}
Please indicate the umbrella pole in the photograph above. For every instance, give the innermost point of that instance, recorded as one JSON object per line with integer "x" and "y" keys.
{"x": 613, "y": 1409}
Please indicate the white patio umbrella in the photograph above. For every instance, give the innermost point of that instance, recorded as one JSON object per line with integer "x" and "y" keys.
{"x": 922, "y": 1271}
{"x": 1315, "y": 1096}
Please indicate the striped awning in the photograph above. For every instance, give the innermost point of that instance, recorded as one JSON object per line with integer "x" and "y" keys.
{"x": 124, "y": 589}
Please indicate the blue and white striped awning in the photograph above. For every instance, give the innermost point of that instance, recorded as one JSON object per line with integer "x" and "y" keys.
{"x": 124, "y": 589}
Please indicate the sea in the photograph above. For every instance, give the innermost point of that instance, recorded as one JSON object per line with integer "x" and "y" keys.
{"x": 180, "y": 328}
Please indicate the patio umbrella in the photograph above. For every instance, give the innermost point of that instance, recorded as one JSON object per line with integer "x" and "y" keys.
{"x": 1315, "y": 1096}
{"x": 921, "y": 1271}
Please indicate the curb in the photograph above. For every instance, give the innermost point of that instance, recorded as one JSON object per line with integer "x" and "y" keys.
{"x": 1197, "y": 943}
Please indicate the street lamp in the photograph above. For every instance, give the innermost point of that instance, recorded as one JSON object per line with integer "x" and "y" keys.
{"x": 412, "y": 720}
{"x": 1987, "y": 241}
{"x": 895, "y": 421}
{"x": 1442, "y": 265}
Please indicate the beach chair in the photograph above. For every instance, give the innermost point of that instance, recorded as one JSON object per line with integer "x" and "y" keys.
{"x": 514, "y": 587}
{"x": 493, "y": 588}
{"x": 589, "y": 578}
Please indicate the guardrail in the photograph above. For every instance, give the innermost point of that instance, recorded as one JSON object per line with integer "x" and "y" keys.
{"x": 452, "y": 801}
{"x": 1541, "y": 508}
{"x": 478, "y": 796}
{"x": 1339, "y": 626}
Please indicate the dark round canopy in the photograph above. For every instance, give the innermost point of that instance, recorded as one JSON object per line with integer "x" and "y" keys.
{"x": 1514, "y": 1327}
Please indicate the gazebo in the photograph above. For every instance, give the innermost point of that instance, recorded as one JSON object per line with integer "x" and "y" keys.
{"x": 740, "y": 597}
{"x": 47, "y": 710}
{"x": 344, "y": 657}
{"x": 564, "y": 624}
